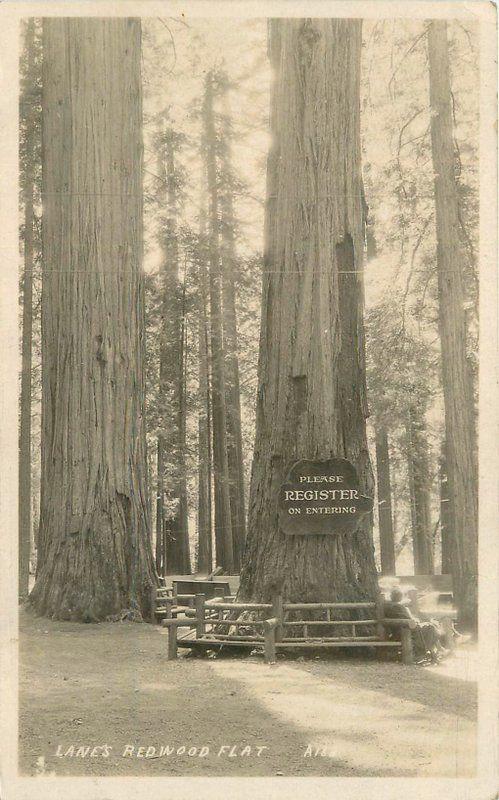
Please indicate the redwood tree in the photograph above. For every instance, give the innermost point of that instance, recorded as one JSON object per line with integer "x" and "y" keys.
{"x": 446, "y": 516}
{"x": 385, "y": 515}
{"x": 205, "y": 555}
{"x": 172, "y": 527}
{"x": 231, "y": 348}
{"x": 95, "y": 553}
{"x": 29, "y": 123}
{"x": 311, "y": 395}
{"x": 223, "y": 524}
{"x": 205, "y": 466}
{"x": 419, "y": 490}
{"x": 456, "y": 374}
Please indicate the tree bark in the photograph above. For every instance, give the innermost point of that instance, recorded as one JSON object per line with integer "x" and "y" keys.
{"x": 456, "y": 375}
{"x": 419, "y": 489}
{"x": 160, "y": 490}
{"x": 233, "y": 397}
{"x": 183, "y": 515}
{"x": 385, "y": 519}
{"x": 311, "y": 400}
{"x": 95, "y": 547}
{"x": 446, "y": 521}
{"x": 223, "y": 528}
{"x": 25, "y": 519}
{"x": 172, "y": 481}
{"x": 205, "y": 554}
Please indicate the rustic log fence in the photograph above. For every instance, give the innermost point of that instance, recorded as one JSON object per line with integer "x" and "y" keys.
{"x": 221, "y": 622}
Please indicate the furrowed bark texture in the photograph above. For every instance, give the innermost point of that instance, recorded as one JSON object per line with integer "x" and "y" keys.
{"x": 386, "y": 537}
{"x": 311, "y": 393}
{"x": 456, "y": 376}
{"x": 25, "y": 519}
{"x": 233, "y": 396}
{"x": 419, "y": 489}
{"x": 96, "y": 556}
{"x": 172, "y": 438}
{"x": 223, "y": 526}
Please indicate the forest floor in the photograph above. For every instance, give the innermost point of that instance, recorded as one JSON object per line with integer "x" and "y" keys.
{"x": 86, "y": 686}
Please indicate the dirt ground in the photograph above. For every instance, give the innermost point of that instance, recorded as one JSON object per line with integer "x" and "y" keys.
{"x": 102, "y": 700}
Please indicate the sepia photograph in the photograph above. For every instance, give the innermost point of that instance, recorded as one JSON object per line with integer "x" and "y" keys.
{"x": 250, "y": 378}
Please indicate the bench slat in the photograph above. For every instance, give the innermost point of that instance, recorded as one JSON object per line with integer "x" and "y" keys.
{"x": 322, "y": 606}
{"x": 346, "y": 644}
{"x": 346, "y": 639}
{"x": 294, "y": 623}
{"x": 209, "y": 643}
{"x": 239, "y": 606}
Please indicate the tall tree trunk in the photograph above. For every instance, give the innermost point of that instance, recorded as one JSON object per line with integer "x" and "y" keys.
{"x": 25, "y": 520}
{"x": 446, "y": 520}
{"x": 172, "y": 481}
{"x": 205, "y": 554}
{"x": 223, "y": 527}
{"x": 419, "y": 489}
{"x": 94, "y": 527}
{"x": 386, "y": 537}
{"x": 311, "y": 400}
{"x": 233, "y": 397}
{"x": 183, "y": 515}
{"x": 160, "y": 467}
{"x": 456, "y": 375}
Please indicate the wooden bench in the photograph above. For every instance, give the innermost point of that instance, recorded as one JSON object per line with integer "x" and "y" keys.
{"x": 179, "y": 592}
{"x": 210, "y": 589}
{"x": 270, "y": 626}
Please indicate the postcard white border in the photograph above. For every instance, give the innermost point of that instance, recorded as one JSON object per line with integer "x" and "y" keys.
{"x": 81, "y": 788}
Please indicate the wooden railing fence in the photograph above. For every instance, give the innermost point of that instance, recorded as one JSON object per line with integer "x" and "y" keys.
{"x": 222, "y": 622}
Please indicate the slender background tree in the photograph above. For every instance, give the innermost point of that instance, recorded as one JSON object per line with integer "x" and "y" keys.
{"x": 172, "y": 525}
{"x": 223, "y": 515}
{"x": 460, "y": 438}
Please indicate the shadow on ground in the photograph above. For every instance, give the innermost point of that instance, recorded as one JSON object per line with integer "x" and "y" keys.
{"x": 382, "y": 719}
{"x": 87, "y": 686}
{"x": 437, "y": 687}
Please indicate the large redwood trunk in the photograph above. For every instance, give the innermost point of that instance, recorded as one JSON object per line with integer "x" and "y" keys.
{"x": 456, "y": 374}
{"x": 311, "y": 390}
{"x": 223, "y": 522}
{"x": 28, "y": 111}
{"x": 95, "y": 550}
{"x": 385, "y": 517}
